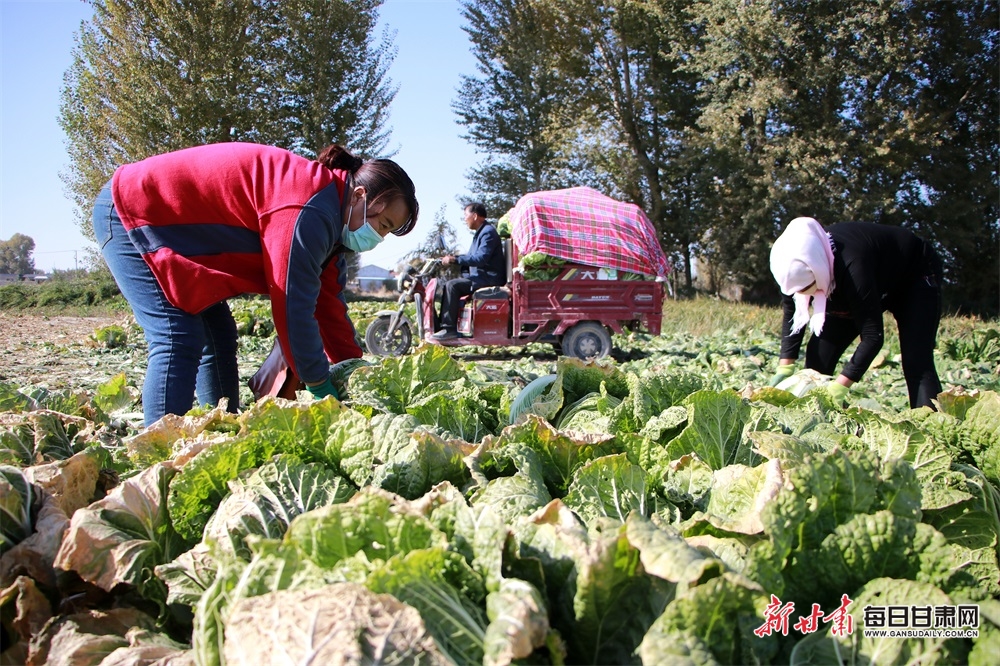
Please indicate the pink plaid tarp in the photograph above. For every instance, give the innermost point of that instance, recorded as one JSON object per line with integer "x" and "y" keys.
{"x": 584, "y": 226}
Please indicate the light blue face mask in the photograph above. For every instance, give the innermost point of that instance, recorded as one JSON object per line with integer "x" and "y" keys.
{"x": 365, "y": 237}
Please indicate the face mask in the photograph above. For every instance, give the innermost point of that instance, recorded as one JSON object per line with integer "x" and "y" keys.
{"x": 365, "y": 237}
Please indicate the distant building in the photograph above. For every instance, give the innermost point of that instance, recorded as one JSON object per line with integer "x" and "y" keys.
{"x": 8, "y": 278}
{"x": 372, "y": 278}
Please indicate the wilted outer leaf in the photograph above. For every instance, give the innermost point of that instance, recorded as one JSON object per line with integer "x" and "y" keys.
{"x": 86, "y": 638}
{"x": 519, "y": 622}
{"x": 739, "y": 495}
{"x": 664, "y": 553}
{"x": 338, "y": 624}
{"x": 35, "y": 555}
{"x": 148, "y": 647}
{"x": 121, "y": 538}
{"x": 31, "y": 608}
{"x": 72, "y": 482}
{"x": 155, "y": 443}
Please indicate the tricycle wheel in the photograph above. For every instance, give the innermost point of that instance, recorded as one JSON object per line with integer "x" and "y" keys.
{"x": 380, "y": 344}
{"x": 587, "y": 340}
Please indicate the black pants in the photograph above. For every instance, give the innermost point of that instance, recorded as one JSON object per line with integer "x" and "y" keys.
{"x": 917, "y": 312}
{"x": 451, "y": 301}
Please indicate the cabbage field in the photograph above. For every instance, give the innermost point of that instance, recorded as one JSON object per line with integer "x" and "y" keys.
{"x": 661, "y": 506}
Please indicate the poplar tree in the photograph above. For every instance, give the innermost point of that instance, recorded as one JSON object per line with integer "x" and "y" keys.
{"x": 879, "y": 112}
{"x": 152, "y": 77}
{"x": 511, "y": 108}
{"x": 15, "y": 255}
{"x": 724, "y": 119}
{"x": 634, "y": 108}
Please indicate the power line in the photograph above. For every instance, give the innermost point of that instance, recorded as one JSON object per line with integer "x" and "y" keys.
{"x": 76, "y": 256}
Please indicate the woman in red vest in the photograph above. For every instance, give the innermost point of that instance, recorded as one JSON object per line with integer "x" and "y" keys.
{"x": 184, "y": 231}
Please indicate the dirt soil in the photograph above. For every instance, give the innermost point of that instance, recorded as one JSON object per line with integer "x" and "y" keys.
{"x": 57, "y": 352}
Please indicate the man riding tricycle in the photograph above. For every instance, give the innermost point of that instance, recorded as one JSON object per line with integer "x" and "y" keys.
{"x": 580, "y": 267}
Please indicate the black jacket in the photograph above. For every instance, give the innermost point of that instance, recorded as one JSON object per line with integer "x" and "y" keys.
{"x": 873, "y": 265}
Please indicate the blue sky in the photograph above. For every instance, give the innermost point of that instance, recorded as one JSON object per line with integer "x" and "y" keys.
{"x": 36, "y": 38}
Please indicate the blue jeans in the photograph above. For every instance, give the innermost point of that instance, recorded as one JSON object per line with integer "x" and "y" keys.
{"x": 188, "y": 353}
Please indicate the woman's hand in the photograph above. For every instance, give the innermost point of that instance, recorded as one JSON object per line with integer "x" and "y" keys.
{"x": 838, "y": 391}
{"x": 323, "y": 389}
{"x": 782, "y": 373}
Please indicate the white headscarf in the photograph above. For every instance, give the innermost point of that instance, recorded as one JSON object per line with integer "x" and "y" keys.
{"x": 803, "y": 254}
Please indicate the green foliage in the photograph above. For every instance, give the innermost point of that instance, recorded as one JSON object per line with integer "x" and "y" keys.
{"x": 641, "y": 510}
{"x": 148, "y": 78}
{"x": 514, "y": 108}
{"x": 110, "y": 337}
{"x": 439, "y": 241}
{"x": 96, "y": 289}
{"x": 724, "y": 119}
{"x": 980, "y": 346}
{"x": 15, "y": 255}
{"x": 18, "y": 500}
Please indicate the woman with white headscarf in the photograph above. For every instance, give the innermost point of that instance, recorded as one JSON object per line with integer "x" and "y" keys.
{"x": 850, "y": 274}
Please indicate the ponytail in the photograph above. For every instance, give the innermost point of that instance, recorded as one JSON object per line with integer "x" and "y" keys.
{"x": 381, "y": 178}
{"x": 338, "y": 157}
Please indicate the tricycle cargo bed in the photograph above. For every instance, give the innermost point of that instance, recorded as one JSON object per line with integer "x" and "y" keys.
{"x": 617, "y": 304}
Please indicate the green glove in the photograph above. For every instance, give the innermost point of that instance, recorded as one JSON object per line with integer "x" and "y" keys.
{"x": 837, "y": 391}
{"x": 324, "y": 389}
{"x": 782, "y": 373}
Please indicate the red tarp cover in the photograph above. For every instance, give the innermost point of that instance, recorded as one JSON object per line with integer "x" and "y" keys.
{"x": 582, "y": 225}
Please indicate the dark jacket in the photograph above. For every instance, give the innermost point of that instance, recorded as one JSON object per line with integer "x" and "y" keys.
{"x": 873, "y": 265}
{"x": 484, "y": 260}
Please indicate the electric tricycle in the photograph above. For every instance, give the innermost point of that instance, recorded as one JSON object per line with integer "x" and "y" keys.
{"x": 572, "y": 295}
